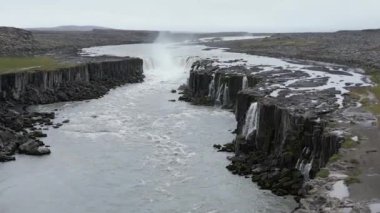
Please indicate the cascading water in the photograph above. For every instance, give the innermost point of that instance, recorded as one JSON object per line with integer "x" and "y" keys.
{"x": 189, "y": 62}
{"x": 148, "y": 64}
{"x": 244, "y": 83}
{"x": 211, "y": 87}
{"x": 305, "y": 168}
{"x": 251, "y": 120}
{"x": 219, "y": 95}
{"x": 303, "y": 165}
{"x": 226, "y": 95}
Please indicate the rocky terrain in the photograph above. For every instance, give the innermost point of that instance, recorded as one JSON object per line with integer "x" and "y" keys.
{"x": 14, "y": 41}
{"x": 72, "y": 41}
{"x": 294, "y": 120}
{"x": 19, "y": 42}
{"x": 286, "y": 116}
{"x": 353, "y": 48}
{"x": 68, "y": 40}
{"x": 20, "y": 129}
{"x": 355, "y": 162}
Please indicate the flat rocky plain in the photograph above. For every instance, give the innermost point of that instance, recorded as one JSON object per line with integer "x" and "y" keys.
{"x": 357, "y": 48}
{"x": 358, "y": 157}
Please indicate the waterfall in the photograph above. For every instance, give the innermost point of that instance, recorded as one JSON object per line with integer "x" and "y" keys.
{"x": 226, "y": 96}
{"x": 251, "y": 120}
{"x": 303, "y": 166}
{"x": 211, "y": 87}
{"x": 244, "y": 83}
{"x": 189, "y": 62}
{"x": 219, "y": 95}
{"x": 148, "y": 64}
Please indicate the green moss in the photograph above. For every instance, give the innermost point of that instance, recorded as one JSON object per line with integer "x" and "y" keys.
{"x": 349, "y": 143}
{"x": 361, "y": 92}
{"x": 323, "y": 173}
{"x": 335, "y": 158}
{"x": 375, "y": 77}
{"x": 351, "y": 180}
{"x": 374, "y": 108}
{"x": 17, "y": 64}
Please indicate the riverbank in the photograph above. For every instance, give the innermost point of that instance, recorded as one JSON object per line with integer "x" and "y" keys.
{"x": 21, "y": 129}
{"x": 356, "y": 161}
{"x": 286, "y": 135}
{"x": 144, "y": 152}
{"x": 299, "y": 111}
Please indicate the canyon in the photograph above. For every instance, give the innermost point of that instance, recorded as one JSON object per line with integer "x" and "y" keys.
{"x": 290, "y": 119}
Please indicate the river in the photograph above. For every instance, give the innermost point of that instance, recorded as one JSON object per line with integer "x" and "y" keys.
{"x": 134, "y": 151}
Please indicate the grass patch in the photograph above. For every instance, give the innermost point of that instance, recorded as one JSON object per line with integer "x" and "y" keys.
{"x": 375, "y": 77}
{"x": 351, "y": 180}
{"x": 353, "y": 176}
{"x": 18, "y": 64}
{"x": 362, "y": 93}
{"x": 349, "y": 143}
{"x": 323, "y": 173}
{"x": 335, "y": 158}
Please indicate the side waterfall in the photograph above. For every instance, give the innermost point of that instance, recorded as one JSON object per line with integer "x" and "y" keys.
{"x": 211, "y": 88}
{"x": 219, "y": 95}
{"x": 303, "y": 166}
{"x": 251, "y": 120}
{"x": 244, "y": 83}
{"x": 226, "y": 96}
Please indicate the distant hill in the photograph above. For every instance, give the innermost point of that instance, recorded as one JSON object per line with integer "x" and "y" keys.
{"x": 14, "y": 41}
{"x": 69, "y": 28}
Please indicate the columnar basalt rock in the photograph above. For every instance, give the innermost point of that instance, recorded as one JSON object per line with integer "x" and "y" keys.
{"x": 17, "y": 90}
{"x": 69, "y": 84}
{"x": 289, "y": 139}
{"x": 212, "y": 85}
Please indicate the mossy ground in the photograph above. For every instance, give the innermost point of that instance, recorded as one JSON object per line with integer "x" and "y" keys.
{"x": 17, "y": 64}
{"x": 335, "y": 158}
{"x": 353, "y": 177}
{"x": 364, "y": 93}
{"x": 349, "y": 143}
{"x": 323, "y": 173}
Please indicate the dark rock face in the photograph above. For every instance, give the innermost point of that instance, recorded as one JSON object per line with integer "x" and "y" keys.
{"x": 209, "y": 84}
{"x": 288, "y": 139}
{"x": 281, "y": 140}
{"x": 69, "y": 84}
{"x": 18, "y": 131}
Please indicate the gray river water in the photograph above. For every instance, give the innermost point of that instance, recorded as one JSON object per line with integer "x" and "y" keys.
{"x": 134, "y": 151}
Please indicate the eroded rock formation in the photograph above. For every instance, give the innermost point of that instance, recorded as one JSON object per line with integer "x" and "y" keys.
{"x": 283, "y": 133}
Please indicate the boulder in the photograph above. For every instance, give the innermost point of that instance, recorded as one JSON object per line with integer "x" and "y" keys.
{"x": 33, "y": 147}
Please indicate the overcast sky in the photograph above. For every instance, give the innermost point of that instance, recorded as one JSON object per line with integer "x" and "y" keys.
{"x": 196, "y": 15}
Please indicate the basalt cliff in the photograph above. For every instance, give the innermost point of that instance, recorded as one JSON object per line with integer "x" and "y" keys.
{"x": 20, "y": 129}
{"x": 285, "y": 117}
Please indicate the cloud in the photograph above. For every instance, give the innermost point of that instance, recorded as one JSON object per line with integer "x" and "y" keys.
{"x": 196, "y": 15}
